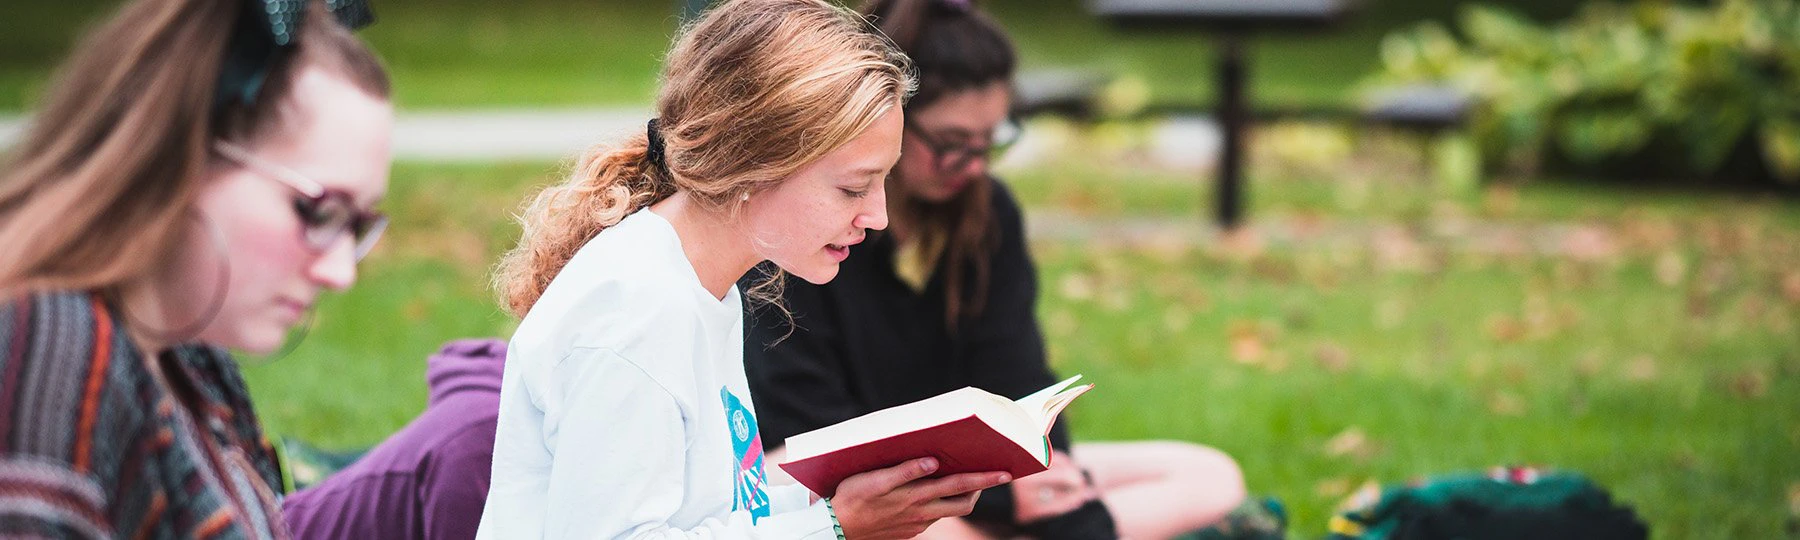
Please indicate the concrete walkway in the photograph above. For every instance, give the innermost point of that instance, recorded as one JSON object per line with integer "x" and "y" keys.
{"x": 482, "y": 135}
{"x": 1181, "y": 143}
{"x": 555, "y": 134}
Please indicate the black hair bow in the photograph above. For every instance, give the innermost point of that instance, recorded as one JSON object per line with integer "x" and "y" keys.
{"x": 264, "y": 33}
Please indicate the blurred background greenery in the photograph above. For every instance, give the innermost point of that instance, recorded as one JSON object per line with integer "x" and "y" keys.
{"x": 1373, "y": 323}
{"x": 457, "y": 53}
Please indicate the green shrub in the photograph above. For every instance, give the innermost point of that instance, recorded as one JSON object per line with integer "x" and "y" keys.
{"x": 1652, "y": 83}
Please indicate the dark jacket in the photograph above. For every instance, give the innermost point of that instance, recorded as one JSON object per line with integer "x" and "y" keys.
{"x": 867, "y": 341}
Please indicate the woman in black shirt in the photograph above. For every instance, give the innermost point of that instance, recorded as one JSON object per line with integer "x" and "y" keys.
{"x": 946, "y": 298}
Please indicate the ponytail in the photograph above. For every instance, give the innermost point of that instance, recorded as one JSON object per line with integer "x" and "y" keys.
{"x": 751, "y": 93}
{"x": 607, "y": 185}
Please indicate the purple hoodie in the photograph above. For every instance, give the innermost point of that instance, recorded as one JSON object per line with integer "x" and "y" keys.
{"x": 430, "y": 480}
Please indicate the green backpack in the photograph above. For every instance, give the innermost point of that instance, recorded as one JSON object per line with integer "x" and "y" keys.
{"x": 1505, "y": 503}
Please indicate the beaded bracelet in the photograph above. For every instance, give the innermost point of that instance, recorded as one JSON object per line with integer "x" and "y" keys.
{"x": 835, "y": 526}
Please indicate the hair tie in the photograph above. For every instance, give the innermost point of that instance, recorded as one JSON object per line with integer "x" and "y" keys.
{"x": 959, "y": 5}
{"x": 654, "y": 148}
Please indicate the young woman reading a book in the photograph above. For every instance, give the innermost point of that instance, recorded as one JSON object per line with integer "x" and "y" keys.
{"x": 202, "y": 170}
{"x": 624, "y": 410}
{"x": 946, "y": 298}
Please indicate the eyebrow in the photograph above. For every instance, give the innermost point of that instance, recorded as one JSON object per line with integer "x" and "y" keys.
{"x": 867, "y": 171}
{"x": 956, "y": 131}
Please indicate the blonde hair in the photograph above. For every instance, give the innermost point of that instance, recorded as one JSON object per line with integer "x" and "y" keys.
{"x": 751, "y": 93}
{"x": 97, "y": 192}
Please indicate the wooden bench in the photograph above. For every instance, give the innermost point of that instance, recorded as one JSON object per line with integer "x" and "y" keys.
{"x": 1066, "y": 92}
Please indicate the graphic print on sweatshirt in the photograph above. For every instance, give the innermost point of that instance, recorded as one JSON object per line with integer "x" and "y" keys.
{"x": 746, "y": 443}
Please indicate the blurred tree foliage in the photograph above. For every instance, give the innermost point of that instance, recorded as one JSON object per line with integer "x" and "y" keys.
{"x": 1653, "y": 87}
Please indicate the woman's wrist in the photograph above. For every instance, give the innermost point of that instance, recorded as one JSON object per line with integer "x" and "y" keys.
{"x": 836, "y": 526}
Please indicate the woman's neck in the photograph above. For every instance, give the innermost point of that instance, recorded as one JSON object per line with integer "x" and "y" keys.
{"x": 718, "y": 250}
{"x": 140, "y": 305}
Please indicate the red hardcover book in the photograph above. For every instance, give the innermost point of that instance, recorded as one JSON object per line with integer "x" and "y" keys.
{"x": 967, "y": 430}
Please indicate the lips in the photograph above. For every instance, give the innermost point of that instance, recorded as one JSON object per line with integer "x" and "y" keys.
{"x": 293, "y": 308}
{"x": 846, "y": 245}
{"x": 842, "y": 251}
{"x": 954, "y": 186}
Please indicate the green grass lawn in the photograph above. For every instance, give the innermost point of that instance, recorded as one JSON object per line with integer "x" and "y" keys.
{"x": 1676, "y": 384}
{"x": 460, "y": 53}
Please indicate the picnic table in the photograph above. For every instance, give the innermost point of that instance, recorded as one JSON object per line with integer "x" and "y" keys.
{"x": 1234, "y": 21}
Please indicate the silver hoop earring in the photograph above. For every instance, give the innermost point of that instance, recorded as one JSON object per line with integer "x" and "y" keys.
{"x": 193, "y": 329}
{"x": 295, "y": 338}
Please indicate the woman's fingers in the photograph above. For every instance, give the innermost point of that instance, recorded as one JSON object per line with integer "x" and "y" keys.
{"x": 952, "y": 506}
{"x": 893, "y": 478}
{"x": 956, "y": 484}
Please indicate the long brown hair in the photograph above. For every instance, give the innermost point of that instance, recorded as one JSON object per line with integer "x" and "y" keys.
{"x": 955, "y": 48}
{"x": 97, "y": 192}
{"x": 751, "y": 93}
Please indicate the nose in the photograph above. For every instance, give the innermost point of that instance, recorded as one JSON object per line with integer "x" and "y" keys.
{"x": 976, "y": 166}
{"x": 335, "y": 268}
{"x": 874, "y": 214}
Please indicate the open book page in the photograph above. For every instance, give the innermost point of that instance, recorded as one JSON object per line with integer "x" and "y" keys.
{"x": 1043, "y": 406}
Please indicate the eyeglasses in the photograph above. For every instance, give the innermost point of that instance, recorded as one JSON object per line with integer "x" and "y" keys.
{"x": 954, "y": 156}
{"x": 325, "y": 214}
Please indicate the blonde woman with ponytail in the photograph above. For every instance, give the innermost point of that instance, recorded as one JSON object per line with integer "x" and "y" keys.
{"x": 624, "y": 410}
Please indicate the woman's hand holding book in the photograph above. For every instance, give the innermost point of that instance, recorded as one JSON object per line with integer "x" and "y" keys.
{"x": 901, "y": 501}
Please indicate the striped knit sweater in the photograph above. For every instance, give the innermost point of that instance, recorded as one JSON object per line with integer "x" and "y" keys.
{"x": 95, "y": 442}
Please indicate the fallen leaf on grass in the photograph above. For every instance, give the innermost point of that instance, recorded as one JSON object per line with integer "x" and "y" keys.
{"x": 1753, "y": 307}
{"x": 1641, "y": 369}
{"x": 1500, "y": 200}
{"x": 1505, "y": 329}
{"x": 1176, "y": 319}
{"x": 1515, "y": 372}
{"x": 1277, "y": 362}
{"x": 1794, "y": 499}
{"x": 1684, "y": 459}
{"x": 1590, "y": 244}
{"x": 1062, "y": 322}
{"x": 1167, "y": 247}
{"x": 1644, "y": 232}
{"x": 1247, "y": 345}
{"x": 1671, "y": 268}
{"x": 1790, "y": 287}
{"x": 416, "y": 310}
{"x": 1241, "y": 244}
{"x": 1078, "y": 286}
{"x": 1749, "y": 385}
{"x": 1332, "y": 357}
{"x": 1397, "y": 249}
{"x": 1699, "y": 303}
{"x": 1332, "y": 488}
{"x": 1506, "y": 403}
{"x": 1390, "y": 313}
{"x": 1117, "y": 301}
{"x": 1352, "y": 443}
{"x": 1590, "y": 364}
{"x": 1272, "y": 269}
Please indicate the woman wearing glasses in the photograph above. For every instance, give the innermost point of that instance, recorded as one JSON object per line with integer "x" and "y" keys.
{"x": 946, "y": 298}
{"x": 201, "y": 173}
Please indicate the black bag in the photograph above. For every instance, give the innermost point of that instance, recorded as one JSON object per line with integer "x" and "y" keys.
{"x": 1506, "y": 503}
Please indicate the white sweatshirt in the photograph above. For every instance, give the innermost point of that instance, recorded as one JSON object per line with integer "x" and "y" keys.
{"x": 624, "y": 412}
